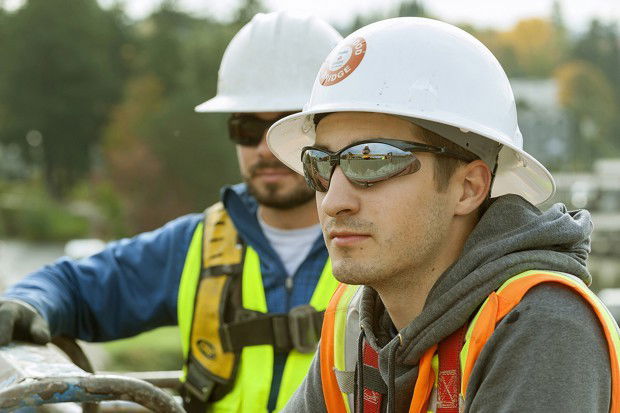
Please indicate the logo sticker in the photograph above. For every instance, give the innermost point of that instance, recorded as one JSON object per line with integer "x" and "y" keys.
{"x": 448, "y": 387}
{"x": 343, "y": 63}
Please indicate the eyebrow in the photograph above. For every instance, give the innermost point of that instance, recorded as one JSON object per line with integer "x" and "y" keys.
{"x": 322, "y": 147}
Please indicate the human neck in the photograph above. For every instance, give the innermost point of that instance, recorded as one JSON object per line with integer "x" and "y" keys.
{"x": 404, "y": 299}
{"x": 302, "y": 216}
{"x": 404, "y": 294}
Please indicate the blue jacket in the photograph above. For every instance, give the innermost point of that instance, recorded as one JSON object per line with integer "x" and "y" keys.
{"x": 132, "y": 285}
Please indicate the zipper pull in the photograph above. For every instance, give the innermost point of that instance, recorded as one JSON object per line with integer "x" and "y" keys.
{"x": 288, "y": 284}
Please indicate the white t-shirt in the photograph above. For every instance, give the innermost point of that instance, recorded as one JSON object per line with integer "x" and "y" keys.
{"x": 292, "y": 245}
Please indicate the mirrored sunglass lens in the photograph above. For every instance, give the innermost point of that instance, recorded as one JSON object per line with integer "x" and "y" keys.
{"x": 375, "y": 162}
{"x": 317, "y": 169}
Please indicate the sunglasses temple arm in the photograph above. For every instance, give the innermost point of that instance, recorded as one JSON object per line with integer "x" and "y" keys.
{"x": 447, "y": 152}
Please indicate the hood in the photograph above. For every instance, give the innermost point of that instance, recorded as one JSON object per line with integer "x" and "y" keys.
{"x": 511, "y": 237}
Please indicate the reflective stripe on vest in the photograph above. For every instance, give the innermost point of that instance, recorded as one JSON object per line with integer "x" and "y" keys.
{"x": 253, "y": 380}
{"x": 493, "y": 310}
{"x": 187, "y": 291}
{"x": 333, "y": 347}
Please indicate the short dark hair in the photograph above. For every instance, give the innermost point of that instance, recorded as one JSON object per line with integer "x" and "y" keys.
{"x": 445, "y": 166}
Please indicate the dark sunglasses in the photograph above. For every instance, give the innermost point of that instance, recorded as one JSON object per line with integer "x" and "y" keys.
{"x": 248, "y": 130}
{"x": 367, "y": 162}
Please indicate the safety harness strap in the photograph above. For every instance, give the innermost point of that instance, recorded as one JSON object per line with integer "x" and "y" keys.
{"x": 372, "y": 380}
{"x": 209, "y": 365}
{"x": 298, "y": 330}
{"x": 449, "y": 375}
{"x": 372, "y": 398}
{"x": 229, "y": 322}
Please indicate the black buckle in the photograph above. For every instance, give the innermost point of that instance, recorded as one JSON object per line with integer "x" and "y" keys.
{"x": 299, "y": 329}
{"x": 281, "y": 335}
{"x": 304, "y": 324}
{"x": 225, "y": 339}
{"x": 197, "y": 384}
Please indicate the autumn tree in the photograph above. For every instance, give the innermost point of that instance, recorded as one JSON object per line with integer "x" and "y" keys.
{"x": 532, "y": 48}
{"x": 588, "y": 98}
{"x": 600, "y": 46}
{"x": 589, "y": 90}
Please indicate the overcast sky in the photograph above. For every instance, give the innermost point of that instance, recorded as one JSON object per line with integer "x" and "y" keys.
{"x": 489, "y": 13}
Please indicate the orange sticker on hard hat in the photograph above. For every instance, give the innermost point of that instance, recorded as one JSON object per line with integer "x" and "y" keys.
{"x": 343, "y": 62}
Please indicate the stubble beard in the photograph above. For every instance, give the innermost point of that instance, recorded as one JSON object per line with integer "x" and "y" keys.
{"x": 398, "y": 261}
{"x": 272, "y": 195}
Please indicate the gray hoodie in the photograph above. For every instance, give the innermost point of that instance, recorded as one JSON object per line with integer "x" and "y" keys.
{"x": 547, "y": 355}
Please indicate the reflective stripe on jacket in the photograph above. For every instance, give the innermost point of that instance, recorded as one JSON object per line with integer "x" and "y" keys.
{"x": 253, "y": 381}
{"x": 338, "y": 349}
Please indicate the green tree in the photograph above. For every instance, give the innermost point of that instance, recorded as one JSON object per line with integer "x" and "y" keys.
{"x": 600, "y": 46}
{"x": 3, "y": 40}
{"x": 163, "y": 158}
{"x": 596, "y": 103}
{"x": 412, "y": 8}
{"x": 66, "y": 70}
{"x": 160, "y": 38}
{"x": 247, "y": 9}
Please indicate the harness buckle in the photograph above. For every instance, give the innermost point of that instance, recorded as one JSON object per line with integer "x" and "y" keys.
{"x": 281, "y": 339}
{"x": 304, "y": 324}
{"x": 227, "y": 344}
{"x": 198, "y": 385}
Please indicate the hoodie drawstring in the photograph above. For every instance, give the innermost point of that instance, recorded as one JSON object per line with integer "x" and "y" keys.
{"x": 359, "y": 383}
{"x": 392, "y": 376}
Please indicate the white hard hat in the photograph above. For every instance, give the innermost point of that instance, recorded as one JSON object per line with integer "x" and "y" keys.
{"x": 438, "y": 76}
{"x": 269, "y": 66}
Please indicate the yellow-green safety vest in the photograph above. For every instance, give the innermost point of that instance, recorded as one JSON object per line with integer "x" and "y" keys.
{"x": 252, "y": 385}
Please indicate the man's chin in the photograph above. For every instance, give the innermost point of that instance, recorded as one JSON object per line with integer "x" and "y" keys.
{"x": 279, "y": 196}
{"x": 354, "y": 272}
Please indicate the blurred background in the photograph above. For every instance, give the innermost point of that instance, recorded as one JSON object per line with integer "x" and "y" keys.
{"x": 98, "y": 138}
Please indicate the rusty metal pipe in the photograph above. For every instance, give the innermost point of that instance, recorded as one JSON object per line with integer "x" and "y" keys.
{"x": 91, "y": 388}
{"x": 170, "y": 379}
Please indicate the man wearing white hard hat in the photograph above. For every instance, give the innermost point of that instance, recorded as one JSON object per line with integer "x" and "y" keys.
{"x": 460, "y": 295}
{"x": 247, "y": 280}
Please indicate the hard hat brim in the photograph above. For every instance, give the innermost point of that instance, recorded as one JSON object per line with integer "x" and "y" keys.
{"x": 518, "y": 172}
{"x": 235, "y": 104}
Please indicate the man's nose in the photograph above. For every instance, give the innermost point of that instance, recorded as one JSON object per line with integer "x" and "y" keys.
{"x": 342, "y": 197}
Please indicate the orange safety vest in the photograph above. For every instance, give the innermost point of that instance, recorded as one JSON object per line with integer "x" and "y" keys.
{"x": 338, "y": 317}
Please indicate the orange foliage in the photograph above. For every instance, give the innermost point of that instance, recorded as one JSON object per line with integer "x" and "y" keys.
{"x": 581, "y": 81}
{"x": 133, "y": 167}
{"x": 535, "y": 44}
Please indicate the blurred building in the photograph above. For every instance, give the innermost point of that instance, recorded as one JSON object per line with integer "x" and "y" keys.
{"x": 599, "y": 192}
{"x": 542, "y": 121}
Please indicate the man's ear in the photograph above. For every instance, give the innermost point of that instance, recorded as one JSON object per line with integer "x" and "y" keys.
{"x": 474, "y": 183}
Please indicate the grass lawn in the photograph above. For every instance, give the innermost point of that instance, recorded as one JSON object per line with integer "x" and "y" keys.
{"x": 159, "y": 349}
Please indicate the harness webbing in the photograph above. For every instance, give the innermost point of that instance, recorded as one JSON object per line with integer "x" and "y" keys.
{"x": 448, "y": 376}
{"x": 372, "y": 399}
